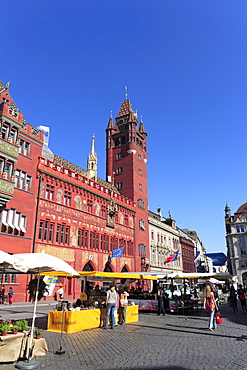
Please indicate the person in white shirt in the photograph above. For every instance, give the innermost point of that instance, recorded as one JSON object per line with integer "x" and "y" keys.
{"x": 60, "y": 292}
{"x": 111, "y": 300}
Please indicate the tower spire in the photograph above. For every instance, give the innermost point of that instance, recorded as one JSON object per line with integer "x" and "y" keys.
{"x": 92, "y": 162}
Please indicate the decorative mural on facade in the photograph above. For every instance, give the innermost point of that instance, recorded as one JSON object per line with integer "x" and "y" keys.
{"x": 63, "y": 253}
{"x": 9, "y": 149}
{"x": 6, "y": 186}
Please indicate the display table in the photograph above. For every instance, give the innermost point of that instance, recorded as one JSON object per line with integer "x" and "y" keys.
{"x": 145, "y": 304}
{"x": 15, "y": 346}
{"x": 73, "y": 321}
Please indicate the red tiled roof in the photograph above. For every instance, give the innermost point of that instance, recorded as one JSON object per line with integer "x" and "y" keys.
{"x": 241, "y": 209}
{"x": 125, "y": 109}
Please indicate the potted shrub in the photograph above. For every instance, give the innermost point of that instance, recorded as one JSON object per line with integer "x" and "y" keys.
{"x": 22, "y": 325}
{"x": 15, "y": 329}
{"x": 38, "y": 333}
{"x": 5, "y": 327}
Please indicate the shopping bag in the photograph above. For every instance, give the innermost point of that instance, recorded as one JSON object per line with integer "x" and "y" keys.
{"x": 218, "y": 318}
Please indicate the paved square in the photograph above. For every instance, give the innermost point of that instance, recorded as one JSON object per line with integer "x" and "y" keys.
{"x": 155, "y": 342}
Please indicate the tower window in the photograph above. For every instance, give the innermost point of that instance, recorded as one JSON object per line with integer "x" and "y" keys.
{"x": 140, "y": 186}
{"x": 119, "y": 185}
{"x": 119, "y": 155}
{"x": 140, "y": 172}
{"x": 139, "y": 157}
{"x": 141, "y": 203}
{"x": 119, "y": 170}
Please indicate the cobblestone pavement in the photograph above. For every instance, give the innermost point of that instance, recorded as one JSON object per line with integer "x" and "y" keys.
{"x": 173, "y": 342}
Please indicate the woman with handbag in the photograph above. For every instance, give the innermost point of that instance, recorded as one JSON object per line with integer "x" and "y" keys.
{"x": 210, "y": 306}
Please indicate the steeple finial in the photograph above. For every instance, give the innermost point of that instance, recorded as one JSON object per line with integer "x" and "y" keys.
{"x": 126, "y": 92}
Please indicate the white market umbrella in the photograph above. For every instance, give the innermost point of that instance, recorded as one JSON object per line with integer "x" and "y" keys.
{"x": 8, "y": 260}
{"x": 35, "y": 263}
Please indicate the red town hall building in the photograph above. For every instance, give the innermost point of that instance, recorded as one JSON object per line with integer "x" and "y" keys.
{"x": 49, "y": 204}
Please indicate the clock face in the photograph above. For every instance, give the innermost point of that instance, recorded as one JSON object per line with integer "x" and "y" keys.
{"x": 13, "y": 112}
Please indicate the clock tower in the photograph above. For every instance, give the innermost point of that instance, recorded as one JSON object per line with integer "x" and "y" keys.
{"x": 126, "y": 168}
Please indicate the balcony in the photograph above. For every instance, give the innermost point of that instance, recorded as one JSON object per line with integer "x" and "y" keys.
{"x": 9, "y": 150}
{"x": 6, "y": 190}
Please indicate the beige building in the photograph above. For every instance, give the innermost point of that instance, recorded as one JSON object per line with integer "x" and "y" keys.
{"x": 236, "y": 242}
{"x": 164, "y": 241}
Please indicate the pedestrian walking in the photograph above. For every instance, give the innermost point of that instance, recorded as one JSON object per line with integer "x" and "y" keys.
{"x": 111, "y": 300}
{"x": 160, "y": 297}
{"x": 242, "y": 297}
{"x": 10, "y": 295}
{"x": 233, "y": 299}
{"x": 210, "y": 306}
{"x": 3, "y": 294}
{"x": 123, "y": 303}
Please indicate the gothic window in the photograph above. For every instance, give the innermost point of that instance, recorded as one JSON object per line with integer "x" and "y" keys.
{"x": 97, "y": 209}
{"x": 130, "y": 248}
{"x": 103, "y": 211}
{"x": 89, "y": 206}
{"x": 121, "y": 218}
{"x": 107, "y": 268}
{"x": 46, "y": 230}
{"x": 49, "y": 194}
{"x": 88, "y": 267}
{"x": 67, "y": 198}
{"x": 142, "y": 250}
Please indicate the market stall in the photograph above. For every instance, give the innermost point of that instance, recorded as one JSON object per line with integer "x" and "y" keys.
{"x": 90, "y": 311}
{"x": 15, "y": 346}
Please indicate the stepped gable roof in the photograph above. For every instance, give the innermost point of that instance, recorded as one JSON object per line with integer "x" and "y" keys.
{"x": 241, "y": 209}
{"x": 4, "y": 90}
{"x": 125, "y": 109}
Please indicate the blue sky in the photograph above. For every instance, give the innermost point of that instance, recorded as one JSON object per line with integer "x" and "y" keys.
{"x": 184, "y": 63}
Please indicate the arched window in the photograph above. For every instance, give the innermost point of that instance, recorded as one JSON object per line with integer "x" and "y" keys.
{"x": 124, "y": 269}
{"x": 107, "y": 268}
{"x": 88, "y": 267}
